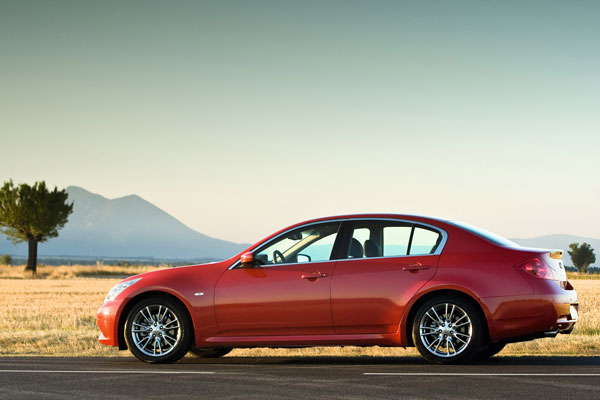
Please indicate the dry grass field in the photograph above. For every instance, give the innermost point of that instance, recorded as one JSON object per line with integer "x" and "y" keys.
{"x": 74, "y": 271}
{"x": 56, "y": 317}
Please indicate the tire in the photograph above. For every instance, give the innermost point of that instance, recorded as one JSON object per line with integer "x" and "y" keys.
{"x": 158, "y": 330}
{"x": 489, "y": 351}
{"x": 210, "y": 352}
{"x": 435, "y": 330}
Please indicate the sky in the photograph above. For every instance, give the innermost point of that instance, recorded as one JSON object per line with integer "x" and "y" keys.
{"x": 242, "y": 117}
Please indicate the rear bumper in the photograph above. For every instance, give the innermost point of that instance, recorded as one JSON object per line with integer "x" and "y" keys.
{"x": 539, "y": 335}
{"x": 567, "y": 323}
{"x": 550, "y": 311}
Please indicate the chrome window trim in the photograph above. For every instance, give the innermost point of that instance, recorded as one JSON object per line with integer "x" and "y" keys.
{"x": 237, "y": 262}
{"x": 437, "y": 252}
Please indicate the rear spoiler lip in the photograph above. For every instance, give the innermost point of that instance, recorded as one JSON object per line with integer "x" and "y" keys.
{"x": 530, "y": 249}
{"x": 555, "y": 253}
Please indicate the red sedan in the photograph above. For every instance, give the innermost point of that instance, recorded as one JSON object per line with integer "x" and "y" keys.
{"x": 454, "y": 291}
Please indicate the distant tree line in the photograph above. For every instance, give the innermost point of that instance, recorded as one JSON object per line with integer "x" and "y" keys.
{"x": 591, "y": 270}
{"x": 55, "y": 261}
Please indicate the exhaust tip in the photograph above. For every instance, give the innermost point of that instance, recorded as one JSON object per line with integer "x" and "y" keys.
{"x": 551, "y": 334}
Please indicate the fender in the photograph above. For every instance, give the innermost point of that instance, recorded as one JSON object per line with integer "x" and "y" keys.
{"x": 128, "y": 301}
{"x": 429, "y": 288}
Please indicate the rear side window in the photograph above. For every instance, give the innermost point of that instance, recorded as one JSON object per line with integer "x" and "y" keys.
{"x": 424, "y": 241}
{"x": 379, "y": 239}
{"x": 395, "y": 240}
{"x": 391, "y": 239}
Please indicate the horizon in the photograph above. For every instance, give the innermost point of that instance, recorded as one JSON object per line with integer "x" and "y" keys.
{"x": 316, "y": 217}
{"x": 242, "y": 118}
{"x": 101, "y": 218}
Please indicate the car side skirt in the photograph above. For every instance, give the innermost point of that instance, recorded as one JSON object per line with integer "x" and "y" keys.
{"x": 392, "y": 339}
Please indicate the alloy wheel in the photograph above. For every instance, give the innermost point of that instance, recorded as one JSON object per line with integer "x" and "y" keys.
{"x": 156, "y": 331}
{"x": 445, "y": 330}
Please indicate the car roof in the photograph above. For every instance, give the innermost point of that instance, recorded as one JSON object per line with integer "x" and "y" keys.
{"x": 421, "y": 218}
{"x": 415, "y": 218}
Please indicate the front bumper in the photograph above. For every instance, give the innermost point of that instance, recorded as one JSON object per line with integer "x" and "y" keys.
{"x": 107, "y": 320}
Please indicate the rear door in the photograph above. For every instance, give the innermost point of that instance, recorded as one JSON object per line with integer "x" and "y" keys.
{"x": 385, "y": 264}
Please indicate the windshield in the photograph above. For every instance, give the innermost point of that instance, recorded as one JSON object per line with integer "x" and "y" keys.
{"x": 492, "y": 237}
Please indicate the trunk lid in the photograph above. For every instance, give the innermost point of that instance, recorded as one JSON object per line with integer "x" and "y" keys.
{"x": 554, "y": 260}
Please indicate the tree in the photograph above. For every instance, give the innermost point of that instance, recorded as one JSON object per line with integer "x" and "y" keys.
{"x": 32, "y": 214}
{"x": 5, "y": 260}
{"x": 582, "y": 256}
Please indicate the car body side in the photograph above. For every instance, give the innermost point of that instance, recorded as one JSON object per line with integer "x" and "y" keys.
{"x": 515, "y": 306}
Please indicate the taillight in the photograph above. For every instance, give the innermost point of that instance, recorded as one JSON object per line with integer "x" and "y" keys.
{"x": 536, "y": 267}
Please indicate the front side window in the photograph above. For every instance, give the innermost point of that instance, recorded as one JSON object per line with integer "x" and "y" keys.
{"x": 307, "y": 244}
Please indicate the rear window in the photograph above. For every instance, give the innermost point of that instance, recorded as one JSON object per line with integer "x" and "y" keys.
{"x": 492, "y": 237}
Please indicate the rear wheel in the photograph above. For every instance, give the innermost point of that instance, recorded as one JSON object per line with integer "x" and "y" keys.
{"x": 158, "y": 330}
{"x": 448, "y": 330}
{"x": 210, "y": 352}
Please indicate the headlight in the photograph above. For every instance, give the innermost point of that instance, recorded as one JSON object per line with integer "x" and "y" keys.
{"x": 118, "y": 288}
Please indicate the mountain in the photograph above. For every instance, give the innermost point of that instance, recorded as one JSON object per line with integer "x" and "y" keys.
{"x": 125, "y": 227}
{"x": 559, "y": 242}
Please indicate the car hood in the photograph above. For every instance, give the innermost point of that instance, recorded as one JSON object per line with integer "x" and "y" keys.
{"x": 167, "y": 273}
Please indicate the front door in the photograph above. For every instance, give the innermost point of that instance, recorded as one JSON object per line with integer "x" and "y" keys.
{"x": 286, "y": 291}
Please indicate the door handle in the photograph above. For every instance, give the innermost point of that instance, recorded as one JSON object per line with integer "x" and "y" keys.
{"x": 415, "y": 267}
{"x": 315, "y": 275}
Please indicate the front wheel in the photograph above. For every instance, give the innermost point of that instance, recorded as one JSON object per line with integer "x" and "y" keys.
{"x": 447, "y": 330}
{"x": 158, "y": 330}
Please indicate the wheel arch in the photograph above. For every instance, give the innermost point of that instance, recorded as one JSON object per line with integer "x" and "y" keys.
{"x": 425, "y": 296}
{"x": 136, "y": 299}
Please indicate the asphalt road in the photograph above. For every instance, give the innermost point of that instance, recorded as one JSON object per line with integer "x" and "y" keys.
{"x": 300, "y": 378}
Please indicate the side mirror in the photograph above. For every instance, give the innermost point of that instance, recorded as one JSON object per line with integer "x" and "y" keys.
{"x": 303, "y": 258}
{"x": 247, "y": 258}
